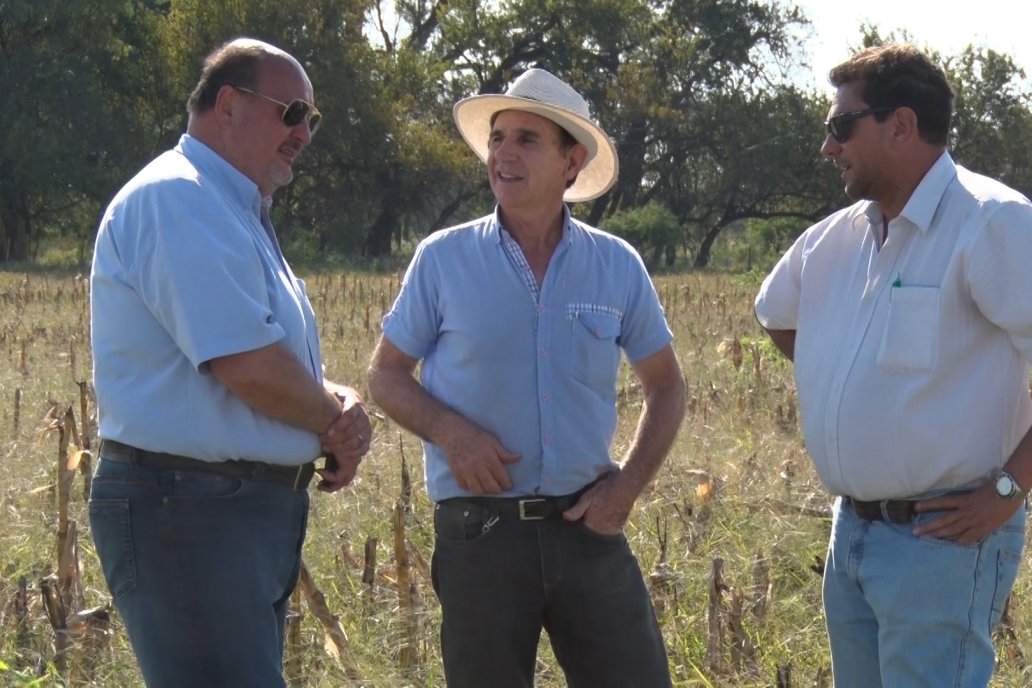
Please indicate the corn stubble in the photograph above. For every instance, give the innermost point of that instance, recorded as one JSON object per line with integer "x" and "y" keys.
{"x": 727, "y": 535}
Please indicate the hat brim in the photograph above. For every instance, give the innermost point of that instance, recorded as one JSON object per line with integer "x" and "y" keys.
{"x": 473, "y": 118}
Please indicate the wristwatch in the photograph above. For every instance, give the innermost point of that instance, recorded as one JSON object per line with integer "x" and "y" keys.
{"x": 1007, "y": 487}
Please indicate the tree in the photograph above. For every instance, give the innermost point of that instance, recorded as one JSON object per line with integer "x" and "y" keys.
{"x": 652, "y": 229}
{"x": 74, "y": 77}
{"x": 992, "y": 122}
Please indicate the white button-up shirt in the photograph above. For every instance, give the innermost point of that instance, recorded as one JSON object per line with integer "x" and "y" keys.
{"x": 911, "y": 360}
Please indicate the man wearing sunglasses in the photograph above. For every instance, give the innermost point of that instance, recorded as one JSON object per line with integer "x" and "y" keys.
{"x": 209, "y": 382}
{"x": 909, "y": 321}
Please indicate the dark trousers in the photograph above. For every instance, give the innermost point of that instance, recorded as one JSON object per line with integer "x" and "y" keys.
{"x": 501, "y": 580}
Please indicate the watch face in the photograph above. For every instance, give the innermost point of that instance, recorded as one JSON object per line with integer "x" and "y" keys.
{"x": 1004, "y": 486}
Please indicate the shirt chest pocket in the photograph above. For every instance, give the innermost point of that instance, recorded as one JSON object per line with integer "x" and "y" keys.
{"x": 910, "y": 342}
{"x": 595, "y": 348}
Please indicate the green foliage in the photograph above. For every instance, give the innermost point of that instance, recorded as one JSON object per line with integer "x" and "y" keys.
{"x": 652, "y": 229}
{"x": 72, "y": 112}
{"x": 693, "y": 92}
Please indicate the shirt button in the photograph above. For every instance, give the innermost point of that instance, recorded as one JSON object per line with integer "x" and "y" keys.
{"x": 545, "y": 397}
{"x": 543, "y": 352}
{"x": 548, "y": 440}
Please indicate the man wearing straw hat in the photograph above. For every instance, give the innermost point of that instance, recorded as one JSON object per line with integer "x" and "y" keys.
{"x": 519, "y": 318}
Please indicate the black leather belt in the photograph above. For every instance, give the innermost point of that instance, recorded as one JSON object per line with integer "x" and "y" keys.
{"x": 522, "y": 508}
{"x": 899, "y": 511}
{"x": 297, "y": 477}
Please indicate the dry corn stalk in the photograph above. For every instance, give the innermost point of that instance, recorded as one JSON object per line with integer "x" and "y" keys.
{"x": 57, "y": 614}
{"x": 336, "y": 639}
{"x": 294, "y": 664}
{"x": 408, "y": 650}
{"x": 69, "y": 578}
{"x": 406, "y": 481}
{"x": 714, "y": 628}
{"x": 90, "y": 629}
{"x": 369, "y": 568}
{"x": 20, "y": 611}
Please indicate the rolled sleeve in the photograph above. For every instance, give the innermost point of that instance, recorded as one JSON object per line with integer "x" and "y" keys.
{"x": 777, "y": 303}
{"x": 414, "y": 321}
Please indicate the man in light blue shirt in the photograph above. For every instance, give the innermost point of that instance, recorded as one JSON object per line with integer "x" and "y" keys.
{"x": 519, "y": 319}
{"x": 209, "y": 382}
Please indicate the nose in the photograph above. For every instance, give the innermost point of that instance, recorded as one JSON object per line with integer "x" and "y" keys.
{"x": 830, "y": 146}
{"x": 303, "y": 132}
{"x": 503, "y": 148}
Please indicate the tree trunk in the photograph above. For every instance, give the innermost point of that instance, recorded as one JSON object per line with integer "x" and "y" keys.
{"x": 378, "y": 239}
{"x": 14, "y": 232}
{"x": 702, "y": 258}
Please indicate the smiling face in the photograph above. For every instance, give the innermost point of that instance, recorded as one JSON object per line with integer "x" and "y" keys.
{"x": 862, "y": 158}
{"x": 527, "y": 165}
{"x": 258, "y": 143}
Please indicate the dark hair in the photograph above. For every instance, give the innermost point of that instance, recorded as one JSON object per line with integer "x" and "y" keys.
{"x": 234, "y": 63}
{"x": 900, "y": 75}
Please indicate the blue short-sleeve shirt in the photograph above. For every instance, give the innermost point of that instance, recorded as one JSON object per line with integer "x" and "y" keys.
{"x": 184, "y": 272}
{"x": 539, "y": 370}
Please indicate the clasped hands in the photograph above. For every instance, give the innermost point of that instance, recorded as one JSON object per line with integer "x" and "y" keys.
{"x": 345, "y": 442}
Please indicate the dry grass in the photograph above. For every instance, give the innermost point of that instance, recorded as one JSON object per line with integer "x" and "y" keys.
{"x": 737, "y": 488}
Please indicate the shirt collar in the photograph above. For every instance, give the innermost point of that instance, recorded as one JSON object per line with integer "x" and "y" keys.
{"x": 226, "y": 177}
{"x": 495, "y": 227}
{"x": 922, "y": 204}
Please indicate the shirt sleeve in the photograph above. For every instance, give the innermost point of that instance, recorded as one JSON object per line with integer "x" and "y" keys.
{"x": 998, "y": 271}
{"x": 644, "y": 329}
{"x": 196, "y": 267}
{"x": 414, "y": 321}
{"x": 777, "y": 303}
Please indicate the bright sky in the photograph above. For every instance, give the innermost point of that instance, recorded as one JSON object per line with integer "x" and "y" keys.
{"x": 945, "y": 26}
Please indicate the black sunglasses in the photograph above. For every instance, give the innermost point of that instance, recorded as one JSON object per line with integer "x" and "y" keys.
{"x": 841, "y": 126}
{"x": 294, "y": 113}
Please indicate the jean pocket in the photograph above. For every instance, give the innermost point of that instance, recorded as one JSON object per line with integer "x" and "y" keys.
{"x": 111, "y": 528}
{"x": 463, "y": 523}
{"x": 1007, "y": 563}
{"x": 910, "y": 342}
{"x": 594, "y": 349}
{"x": 601, "y": 537}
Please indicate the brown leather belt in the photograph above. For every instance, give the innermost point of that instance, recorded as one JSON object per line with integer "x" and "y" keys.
{"x": 899, "y": 511}
{"x": 297, "y": 477}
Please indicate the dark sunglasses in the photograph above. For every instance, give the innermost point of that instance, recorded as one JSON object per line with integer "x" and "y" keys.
{"x": 294, "y": 113}
{"x": 841, "y": 126}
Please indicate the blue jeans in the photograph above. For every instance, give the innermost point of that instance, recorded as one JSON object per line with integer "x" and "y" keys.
{"x": 915, "y": 612}
{"x": 501, "y": 580}
{"x": 201, "y": 568}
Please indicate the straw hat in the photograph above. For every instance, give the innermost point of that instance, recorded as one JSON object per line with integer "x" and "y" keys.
{"x": 542, "y": 93}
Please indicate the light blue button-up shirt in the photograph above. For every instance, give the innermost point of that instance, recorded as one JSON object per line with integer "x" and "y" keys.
{"x": 184, "y": 272}
{"x": 537, "y": 368}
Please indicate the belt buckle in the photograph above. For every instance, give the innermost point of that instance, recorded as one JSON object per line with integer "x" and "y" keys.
{"x": 524, "y": 516}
